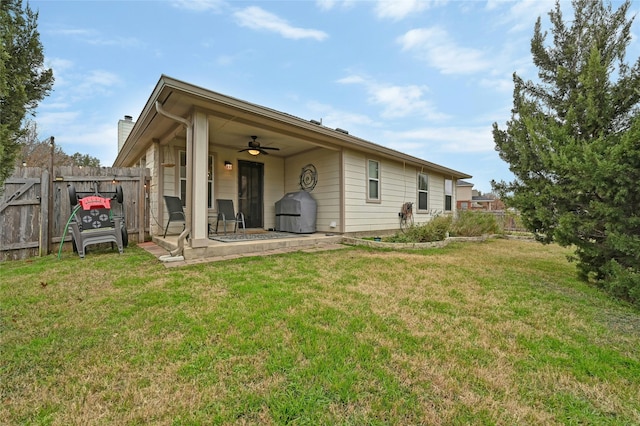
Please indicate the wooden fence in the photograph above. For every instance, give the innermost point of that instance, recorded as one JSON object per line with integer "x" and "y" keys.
{"x": 34, "y": 209}
{"x": 509, "y": 221}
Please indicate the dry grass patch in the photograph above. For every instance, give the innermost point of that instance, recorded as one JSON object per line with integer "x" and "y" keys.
{"x": 488, "y": 333}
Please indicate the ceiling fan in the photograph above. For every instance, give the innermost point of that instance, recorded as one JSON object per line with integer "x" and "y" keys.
{"x": 255, "y": 148}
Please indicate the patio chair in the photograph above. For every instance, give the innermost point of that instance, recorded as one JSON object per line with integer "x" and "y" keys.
{"x": 176, "y": 213}
{"x": 226, "y": 213}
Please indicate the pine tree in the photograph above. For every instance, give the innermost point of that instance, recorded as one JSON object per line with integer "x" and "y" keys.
{"x": 24, "y": 81}
{"x": 573, "y": 144}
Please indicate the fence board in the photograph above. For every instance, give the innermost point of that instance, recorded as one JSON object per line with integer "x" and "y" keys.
{"x": 25, "y": 221}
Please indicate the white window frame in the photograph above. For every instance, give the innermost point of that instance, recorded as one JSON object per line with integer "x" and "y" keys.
{"x": 182, "y": 178}
{"x": 373, "y": 179}
{"x": 423, "y": 191}
{"x": 448, "y": 194}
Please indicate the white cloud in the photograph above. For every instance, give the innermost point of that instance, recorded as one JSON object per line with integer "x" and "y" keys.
{"x": 444, "y": 139}
{"x": 256, "y": 18}
{"x": 59, "y": 63}
{"x": 396, "y": 101}
{"x": 521, "y": 15}
{"x": 56, "y": 119}
{"x": 199, "y": 5}
{"x": 94, "y": 83}
{"x": 399, "y": 9}
{"x": 502, "y": 85}
{"x": 116, "y": 41}
{"x": 97, "y": 140}
{"x": 94, "y": 38}
{"x": 332, "y": 4}
{"x": 332, "y": 117}
{"x": 75, "y": 32}
{"x": 435, "y": 46}
{"x": 353, "y": 79}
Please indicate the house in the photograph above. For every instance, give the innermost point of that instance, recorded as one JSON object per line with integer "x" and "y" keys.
{"x": 464, "y": 192}
{"x": 487, "y": 202}
{"x": 468, "y": 198}
{"x": 201, "y": 145}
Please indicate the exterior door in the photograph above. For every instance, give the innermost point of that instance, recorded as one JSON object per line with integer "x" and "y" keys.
{"x": 251, "y": 192}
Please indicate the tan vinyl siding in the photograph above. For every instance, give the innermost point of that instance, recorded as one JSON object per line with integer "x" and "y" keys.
{"x": 273, "y": 188}
{"x": 436, "y": 193}
{"x": 327, "y": 190}
{"x": 399, "y": 184}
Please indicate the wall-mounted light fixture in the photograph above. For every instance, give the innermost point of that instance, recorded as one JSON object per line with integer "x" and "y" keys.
{"x": 24, "y": 163}
{"x": 228, "y": 165}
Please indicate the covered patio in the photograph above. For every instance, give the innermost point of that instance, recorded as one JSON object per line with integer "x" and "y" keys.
{"x": 197, "y": 145}
{"x": 252, "y": 246}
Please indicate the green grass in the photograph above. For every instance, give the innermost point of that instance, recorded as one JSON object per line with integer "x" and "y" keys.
{"x": 499, "y": 332}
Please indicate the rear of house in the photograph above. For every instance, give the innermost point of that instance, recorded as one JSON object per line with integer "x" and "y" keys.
{"x": 197, "y": 145}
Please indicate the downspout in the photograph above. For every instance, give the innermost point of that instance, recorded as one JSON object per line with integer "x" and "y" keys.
{"x": 177, "y": 253}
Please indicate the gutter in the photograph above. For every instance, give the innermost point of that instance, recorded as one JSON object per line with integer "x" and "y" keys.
{"x": 177, "y": 253}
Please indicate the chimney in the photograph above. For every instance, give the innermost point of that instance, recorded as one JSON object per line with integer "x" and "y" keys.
{"x": 124, "y": 128}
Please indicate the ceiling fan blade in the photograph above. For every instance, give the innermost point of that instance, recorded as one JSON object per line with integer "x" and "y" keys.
{"x": 262, "y": 151}
{"x": 268, "y": 147}
{"x": 246, "y": 149}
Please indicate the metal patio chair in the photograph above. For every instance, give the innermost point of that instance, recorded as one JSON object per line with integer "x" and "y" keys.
{"x": 176, "y": 212}
{"x": 226, "y": 213}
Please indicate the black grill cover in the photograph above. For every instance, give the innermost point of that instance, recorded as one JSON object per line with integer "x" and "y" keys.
{"x": 296, "y": 212}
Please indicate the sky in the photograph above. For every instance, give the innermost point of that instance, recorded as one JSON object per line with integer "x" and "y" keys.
{"x": 424, "y": 77}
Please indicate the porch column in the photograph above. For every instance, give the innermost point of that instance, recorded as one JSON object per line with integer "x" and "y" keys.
{"x": 198, "y": 158}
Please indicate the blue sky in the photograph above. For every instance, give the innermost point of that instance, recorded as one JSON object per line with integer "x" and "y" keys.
{"x": 423, "y": 77}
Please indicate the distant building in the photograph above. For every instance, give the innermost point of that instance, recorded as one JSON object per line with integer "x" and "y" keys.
{"x": 471, "y": 199}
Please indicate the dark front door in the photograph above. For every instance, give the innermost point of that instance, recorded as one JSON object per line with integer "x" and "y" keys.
{"x": 250, "y": 192}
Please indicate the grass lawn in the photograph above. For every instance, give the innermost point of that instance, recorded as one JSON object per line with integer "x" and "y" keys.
{"x": 499, "y": 332}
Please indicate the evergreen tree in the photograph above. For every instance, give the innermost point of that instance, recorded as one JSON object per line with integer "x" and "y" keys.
{"x": 24, "y": 81}
{"x": 573, "y": 144}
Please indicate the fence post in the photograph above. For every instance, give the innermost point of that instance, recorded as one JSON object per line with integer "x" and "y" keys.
{"x": 43, "y": 247}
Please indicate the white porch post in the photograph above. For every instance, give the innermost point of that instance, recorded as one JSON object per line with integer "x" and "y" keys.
{"x": 198, "y": 158}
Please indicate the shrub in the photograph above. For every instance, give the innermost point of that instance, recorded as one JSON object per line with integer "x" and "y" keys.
{"x": 474, "y": 224}
{"x": 434, "y": 230}
{"x": 623, "y": 283}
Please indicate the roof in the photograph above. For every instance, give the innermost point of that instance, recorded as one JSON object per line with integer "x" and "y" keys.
{"x": 234, "y": 120}
{"x": 482, "y": 198}
{"x": 463, "y": 183}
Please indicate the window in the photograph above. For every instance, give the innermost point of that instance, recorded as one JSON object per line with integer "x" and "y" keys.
{"x": 183, "y": 176}
{"x": 423, "y": 191}
{"x": 373, "y": 175}
{"x": 448, "y": 194}
{"x": 183, "y": 179}
{"x": 210, "y": 182}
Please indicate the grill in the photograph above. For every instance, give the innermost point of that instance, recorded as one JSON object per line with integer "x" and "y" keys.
{"x": 296, "y": 212}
